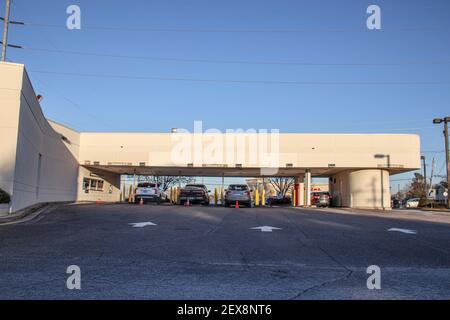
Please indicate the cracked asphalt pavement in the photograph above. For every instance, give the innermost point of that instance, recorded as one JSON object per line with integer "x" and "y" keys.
{"x": 212, "y": 253}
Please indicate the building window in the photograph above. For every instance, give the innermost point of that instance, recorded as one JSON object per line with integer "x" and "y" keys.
{"x": 92, "y": 184}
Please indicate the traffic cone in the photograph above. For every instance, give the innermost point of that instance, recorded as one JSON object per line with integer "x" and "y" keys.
{"x": 141, "y": 202}
{"x": 237, "y": 205}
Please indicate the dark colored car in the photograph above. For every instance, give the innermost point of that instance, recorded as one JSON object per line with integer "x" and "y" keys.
{"x": 316, "y": 196}
{"x": 274, "y": 201}
{"x": 324, "y": 200}
{"x": 196, "y": 193}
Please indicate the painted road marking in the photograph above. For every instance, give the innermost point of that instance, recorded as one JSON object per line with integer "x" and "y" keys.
{"x": 266, "y": 228}
{"x": 407, "y": 231}
{"x": 142, "y": 224}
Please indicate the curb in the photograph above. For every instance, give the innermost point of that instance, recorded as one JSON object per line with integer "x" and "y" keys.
{"x": 440, "y": 210}
{"x": 28, "y": 214}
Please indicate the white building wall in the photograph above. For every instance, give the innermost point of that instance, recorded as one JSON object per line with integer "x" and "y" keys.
{"x": 339, "y": 189}
{"x": 109, "y": 193}
{"x": 299, "y": 150}
{"x": 45, "y": 170}
{"x": 9, "y": 123}
{"x": 39, "y": 159}
{"x": 364, "y": 189}
{"x": 370, "y": 189}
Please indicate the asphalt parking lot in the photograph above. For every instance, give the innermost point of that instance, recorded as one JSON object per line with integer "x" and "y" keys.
{"x": 214, "y": 253}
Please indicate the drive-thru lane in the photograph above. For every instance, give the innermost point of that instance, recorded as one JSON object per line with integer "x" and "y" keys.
{"x": 150, "y": 251}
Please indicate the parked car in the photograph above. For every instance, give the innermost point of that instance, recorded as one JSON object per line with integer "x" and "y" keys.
{"x": 240, "y": 193}
{"x": 412, "y": 203}
{"x": 275, "y": 201}
{"x": 323, "y": 201}
{"x": 149, "y": 192}
{"x": 315, "y": 197}
{"x": 196, "y": 193}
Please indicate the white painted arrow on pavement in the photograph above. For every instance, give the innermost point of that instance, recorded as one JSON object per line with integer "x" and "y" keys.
{"x": 403, "y": 230}
{"x": 266, "y": 228}
{"x": 142, "y": 224}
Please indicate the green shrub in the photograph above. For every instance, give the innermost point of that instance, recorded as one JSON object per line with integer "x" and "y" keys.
{"x": 423, "y": 202}
{"x": 4, "y": 197}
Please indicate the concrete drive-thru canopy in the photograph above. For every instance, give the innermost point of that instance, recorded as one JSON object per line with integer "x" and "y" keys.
{"x": 42, "y": 161}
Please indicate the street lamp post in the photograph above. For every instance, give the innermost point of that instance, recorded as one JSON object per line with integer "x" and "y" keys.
{"x": 445, "y": 120}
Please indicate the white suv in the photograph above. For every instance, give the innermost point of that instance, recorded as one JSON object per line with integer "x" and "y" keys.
{"x": 149, "y": 192}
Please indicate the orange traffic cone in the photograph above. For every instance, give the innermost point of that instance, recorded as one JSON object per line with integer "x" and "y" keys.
{"x": 237, "y": 205}
{"x": 141, "y": 202}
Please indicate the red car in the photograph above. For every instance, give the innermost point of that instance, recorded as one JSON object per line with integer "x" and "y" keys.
{"x": 321, "y": 199}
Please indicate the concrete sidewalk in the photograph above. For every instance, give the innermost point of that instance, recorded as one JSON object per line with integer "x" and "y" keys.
{"x": 441, "y": 210}
{"x": 27, "y": 214}
{"x": 404, "y": 214}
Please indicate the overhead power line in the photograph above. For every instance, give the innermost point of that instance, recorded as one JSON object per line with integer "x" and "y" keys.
{"x": 76, "y": 105}
{"x": 12, "y": 46}
{"x": 13, "y": 22}
{"x": 251, "y": 62}
{"x": 233, "y": 81}
{"x": 242, "y": 30}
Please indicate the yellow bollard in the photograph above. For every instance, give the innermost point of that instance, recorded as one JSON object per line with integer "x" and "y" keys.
{"x": 216, "y": 196}
{"x": 263, "y": 197}
{"x": 304, "y": 198}
{"x": 256, "y": 197}
{"x": 174, "y": 197}
{"x": 294, "y": 192}
{"x": 130, "y": 194}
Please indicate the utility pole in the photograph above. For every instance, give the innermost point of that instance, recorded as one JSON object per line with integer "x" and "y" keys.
{"x": 446, "y": 120}
{"x": 430, "y": 189}
{"x": 424, "y": 175}
{"x": 5, "y": 30}
{"x": 431, "y": 176}
{"x": 447, "y": 158}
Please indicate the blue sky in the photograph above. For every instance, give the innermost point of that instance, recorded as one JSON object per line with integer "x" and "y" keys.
{"x": 413, "y": 31}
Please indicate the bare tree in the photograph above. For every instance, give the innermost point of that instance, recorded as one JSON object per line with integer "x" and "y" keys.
{"x": 416, "y": 188}
{"x": 165, "y": 181}
{"x": 282, "y": 185}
